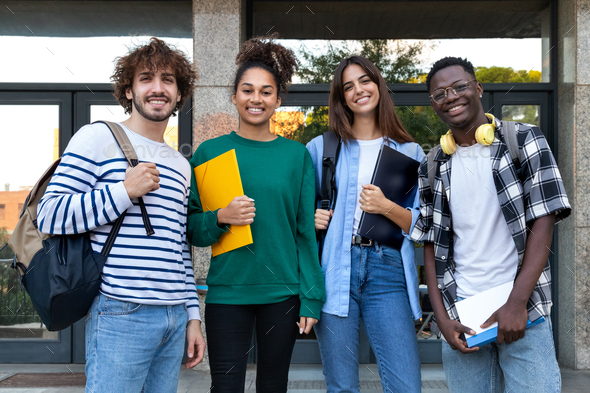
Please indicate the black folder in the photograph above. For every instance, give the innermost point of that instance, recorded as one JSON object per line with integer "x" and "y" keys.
{"x": 397, "y": 176}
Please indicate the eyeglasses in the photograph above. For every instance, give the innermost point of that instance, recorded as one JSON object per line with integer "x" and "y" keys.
{"x": 459, "y": 89}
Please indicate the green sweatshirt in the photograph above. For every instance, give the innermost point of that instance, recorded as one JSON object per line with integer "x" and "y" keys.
{"x": 283, "y": 260}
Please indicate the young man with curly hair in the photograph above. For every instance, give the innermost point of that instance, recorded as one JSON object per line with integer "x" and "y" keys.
{"x": 487, "y": 220}
{"x": 147, "y": 303}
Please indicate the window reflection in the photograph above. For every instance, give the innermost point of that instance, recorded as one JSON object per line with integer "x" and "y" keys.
{"x": 522, "y": 113}
{"x": 300, "y": 123}
{"x": 34, "y": 142}
{"x": 116, "y": 113}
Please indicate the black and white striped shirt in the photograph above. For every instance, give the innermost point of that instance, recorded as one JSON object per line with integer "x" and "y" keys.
{"x": 87, "y": 193}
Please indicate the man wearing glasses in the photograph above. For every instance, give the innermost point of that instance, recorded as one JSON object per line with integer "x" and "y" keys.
{"x": 486, "y": 222}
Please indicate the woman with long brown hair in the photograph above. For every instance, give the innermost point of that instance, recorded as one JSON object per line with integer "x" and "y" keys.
{"x": 365, "y": 279}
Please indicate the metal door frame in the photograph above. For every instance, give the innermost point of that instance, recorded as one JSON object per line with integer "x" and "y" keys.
{"x": 24, "y": 350}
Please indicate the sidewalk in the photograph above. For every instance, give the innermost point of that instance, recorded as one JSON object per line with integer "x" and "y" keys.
{"x": 303, "y": 378}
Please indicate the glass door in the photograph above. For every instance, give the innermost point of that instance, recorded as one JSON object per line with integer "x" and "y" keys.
{"x": 33, "y": 132}
{"x": 526, "y": 107}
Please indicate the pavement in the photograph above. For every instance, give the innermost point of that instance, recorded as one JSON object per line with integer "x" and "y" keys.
{"x": 303, "y": 378}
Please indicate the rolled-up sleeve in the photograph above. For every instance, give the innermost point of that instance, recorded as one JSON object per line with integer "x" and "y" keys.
{"x": 415, "y": 209}
{"x": 544, "y": 192}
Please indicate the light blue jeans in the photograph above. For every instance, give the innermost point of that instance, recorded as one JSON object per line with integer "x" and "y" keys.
{"x": 377, "y": 295}
{"x": 130, "y": 347}
{"x": 527, "y": 365}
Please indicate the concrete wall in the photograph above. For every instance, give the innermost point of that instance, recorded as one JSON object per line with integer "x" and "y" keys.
{"x": 574, "y": 161}
{"x": 219, "y": 30}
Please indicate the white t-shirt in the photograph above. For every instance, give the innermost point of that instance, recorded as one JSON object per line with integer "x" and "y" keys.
{"x": 368, "y": 153}
{"x": 484, "y": 250}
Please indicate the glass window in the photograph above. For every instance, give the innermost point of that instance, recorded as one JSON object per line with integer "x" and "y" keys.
{"x": 69, "y": 60}
{"x": 32, "y": 131}
{"x": 117, "y": 113}
{"x": 300, "y": 123}
{"x": 423, "y": 124}
{"x": 416, "y": 34}
{"x": 522, "y": 113}
{"x": 408, "y": 61}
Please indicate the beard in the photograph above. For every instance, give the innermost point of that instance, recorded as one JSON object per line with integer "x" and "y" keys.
{"x": 156, "y": 115}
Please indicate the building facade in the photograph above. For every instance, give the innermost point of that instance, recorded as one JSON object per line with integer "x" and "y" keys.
{"x": 218, "y": 29}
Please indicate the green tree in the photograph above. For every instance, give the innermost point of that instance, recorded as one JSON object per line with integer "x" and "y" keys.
{"x": 398, "y": 61}
{"x": 316, "y": 123}
{"x": 506, "y": 75}
{"x": 423, "y": 124}
{"x": 11, "y": 297}
{"x": 522, "y": 113}
{"x": 4, "y": 236}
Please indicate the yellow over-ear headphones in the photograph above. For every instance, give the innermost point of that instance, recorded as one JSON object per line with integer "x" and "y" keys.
{"x": 484, "y": 135}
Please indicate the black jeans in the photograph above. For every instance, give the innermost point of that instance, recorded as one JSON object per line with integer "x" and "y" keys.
{"x": 229, "y": 337}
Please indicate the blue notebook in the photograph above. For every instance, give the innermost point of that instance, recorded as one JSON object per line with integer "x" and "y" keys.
{"x": 491, "y": 335}
{"x": 475, "y": 310}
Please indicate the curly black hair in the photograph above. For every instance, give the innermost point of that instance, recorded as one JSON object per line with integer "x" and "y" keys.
{"x": 154, "y": 55}
{"x": 448, "y": 62}
{"x": 264, "y": 53}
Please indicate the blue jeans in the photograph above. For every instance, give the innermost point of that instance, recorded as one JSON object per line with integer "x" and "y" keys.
{"x": 527, "y": 365}
{"x": 377, "y": 295}
{"x": 130, "y": 347}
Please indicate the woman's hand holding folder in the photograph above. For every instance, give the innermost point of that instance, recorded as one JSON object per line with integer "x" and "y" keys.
{"x": 373, "y": 201}
{"x": 240, "y": 211}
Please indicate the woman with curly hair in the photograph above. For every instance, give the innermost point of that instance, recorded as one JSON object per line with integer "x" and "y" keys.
{"x": 365, "y": 279}
{"x": 274, "y": 284}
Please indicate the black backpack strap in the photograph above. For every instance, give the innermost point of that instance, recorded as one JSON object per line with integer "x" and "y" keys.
{"x": 127, "y": 149}
{"x": 329, "y": 160}
{"x": 328, "y": 187}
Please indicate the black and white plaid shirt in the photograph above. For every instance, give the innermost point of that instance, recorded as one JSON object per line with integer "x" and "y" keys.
{"x": 527, "y": 189}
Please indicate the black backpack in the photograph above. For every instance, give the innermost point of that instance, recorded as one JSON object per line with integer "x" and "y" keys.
{"x": 61, "y": 273}
{"x": 328, "y": 191}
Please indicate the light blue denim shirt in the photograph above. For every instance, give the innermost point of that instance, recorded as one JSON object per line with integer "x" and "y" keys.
{"x": 336, "y": 253}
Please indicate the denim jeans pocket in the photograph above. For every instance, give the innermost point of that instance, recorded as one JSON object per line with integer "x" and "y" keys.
{"x": 112, "y": 306}
{"x": 89, "y": 313}
{"x": 391, "y": 256}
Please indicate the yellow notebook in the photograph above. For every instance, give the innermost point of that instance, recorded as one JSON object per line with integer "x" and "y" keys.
{"x": 219, "y": 182}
